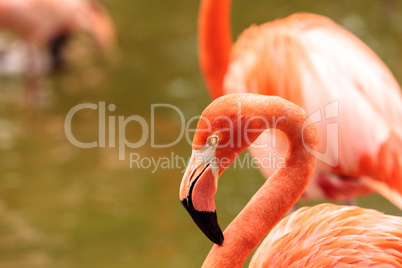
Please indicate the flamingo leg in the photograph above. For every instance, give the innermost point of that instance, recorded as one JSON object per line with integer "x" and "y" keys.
{"x": 32, "y": 91}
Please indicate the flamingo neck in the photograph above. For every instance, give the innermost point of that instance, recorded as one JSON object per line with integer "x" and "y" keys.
{"x": 277, "y": 195}
{"x": 214, "y": 42}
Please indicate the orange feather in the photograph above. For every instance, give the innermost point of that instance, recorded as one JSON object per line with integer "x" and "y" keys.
{"x": 332, "y": 235}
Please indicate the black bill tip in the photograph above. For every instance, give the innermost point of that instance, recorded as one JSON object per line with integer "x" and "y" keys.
{"x": 206, "y": 221}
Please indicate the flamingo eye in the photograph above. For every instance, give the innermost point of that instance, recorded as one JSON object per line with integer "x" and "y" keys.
{"x": 213, "y": 140}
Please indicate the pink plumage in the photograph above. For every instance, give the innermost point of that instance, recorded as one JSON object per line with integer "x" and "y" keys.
{"x": 334, "y": 236}
{"x": 49, "y": 24}
{"x": 354, "y": 99}
{"x": 39, "y": 21}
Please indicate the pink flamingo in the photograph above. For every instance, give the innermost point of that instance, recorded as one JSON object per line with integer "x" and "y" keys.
{"x": 322, "y": 236}
{"x": 50, "y": 23}
{"x": 318, "y": 65}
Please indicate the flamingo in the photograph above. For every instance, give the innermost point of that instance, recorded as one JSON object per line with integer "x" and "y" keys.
{"x": 325, "y": 235}
{"x": 50, "y": 24}
{"x": 315, "y": 63}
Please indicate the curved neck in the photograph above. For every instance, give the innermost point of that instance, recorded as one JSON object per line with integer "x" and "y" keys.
{"x": 278, "y": 194}
{"x": 214, "y": 43}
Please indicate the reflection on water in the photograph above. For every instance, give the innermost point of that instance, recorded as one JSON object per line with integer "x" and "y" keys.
{"x": 62, "y": 206}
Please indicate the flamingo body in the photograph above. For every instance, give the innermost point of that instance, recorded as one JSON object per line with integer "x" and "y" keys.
{"x": 39, "y": 21}
{"x": 49, "y": 24}
{"x": 322, "y": 236}
{"x": 315, "y": 63}
{"x": 333, "y": 236}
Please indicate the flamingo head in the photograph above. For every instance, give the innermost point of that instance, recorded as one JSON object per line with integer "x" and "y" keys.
{"x": 217, "y": 142}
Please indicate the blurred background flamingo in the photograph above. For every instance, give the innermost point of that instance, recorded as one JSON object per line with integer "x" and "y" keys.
{"x": 315, "y": 63}
{"x": 322, "y": 236}
{"x": 50, "y": 24}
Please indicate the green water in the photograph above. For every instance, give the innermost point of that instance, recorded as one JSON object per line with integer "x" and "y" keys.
{"x": 63, "y": 206}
